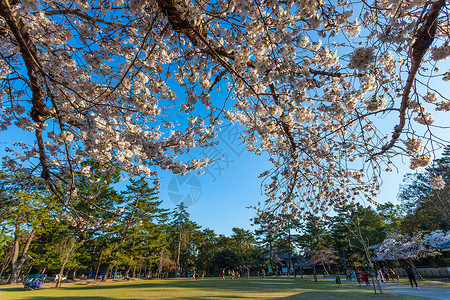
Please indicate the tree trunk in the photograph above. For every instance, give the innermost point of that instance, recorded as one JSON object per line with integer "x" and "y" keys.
{"x": 270, "y": 256}
{"x": 141, "y": 263}
{"x": 325, "y": 269}
{"x": 314, "y": 271}
{"x": 109, "y": 270}
{"x": 74, "y": 274}
{"x": 98, "y": 267}
{"x": 67, "y": 248}
{"x": 16, "y": 262}
{"x": 61, "y": 272}
{"x": 374, "y": 274}
{"x": 178, "y": 255}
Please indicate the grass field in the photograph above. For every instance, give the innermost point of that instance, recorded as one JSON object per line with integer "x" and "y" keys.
{"x": 440, "y": 282}
{"x": 273, "y": 288}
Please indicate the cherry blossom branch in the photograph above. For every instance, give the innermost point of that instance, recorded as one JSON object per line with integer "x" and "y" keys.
{"x": 423, "y": 40}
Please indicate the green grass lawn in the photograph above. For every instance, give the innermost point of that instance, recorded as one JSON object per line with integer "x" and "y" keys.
{"x": 442, "y": 282}
{"x": 271, "y": 288}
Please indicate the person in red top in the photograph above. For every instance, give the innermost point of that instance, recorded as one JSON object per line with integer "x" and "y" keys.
{"x": 223, "y": 274}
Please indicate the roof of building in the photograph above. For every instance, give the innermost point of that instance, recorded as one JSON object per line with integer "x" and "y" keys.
{"x": 445, "y": 245}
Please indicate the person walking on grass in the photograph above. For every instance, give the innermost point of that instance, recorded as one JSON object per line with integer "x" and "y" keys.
{"x": 411, "y": 277}
{"x": 380, "y": 276}
{"x": 359, "y": 277}
{"x": 366, "y": 275}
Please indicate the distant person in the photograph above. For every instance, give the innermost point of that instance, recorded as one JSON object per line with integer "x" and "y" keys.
{"x": 380, "y": 276}
{"x": 385, "y": 273}
{"x": 39, "y": 284}
{"x": 359, "y": 277}
{"x": 223, "y": 274}
{"x": 32, "y": 284}
{"x": 263, "y": 274}
{"x": 411, "y": 277}
{"x": 352, "y": 275}
{"x": 366, "y": 275}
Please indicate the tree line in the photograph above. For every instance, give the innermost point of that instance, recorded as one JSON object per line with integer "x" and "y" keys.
{"x": 128, "y": 230}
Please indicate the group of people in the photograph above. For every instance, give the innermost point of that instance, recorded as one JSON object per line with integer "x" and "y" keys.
{"x": 384, "y": 274}
{"x": 234, "y": 274}
{"x": 34, "y": 284}
{"x": 361, "y": 276}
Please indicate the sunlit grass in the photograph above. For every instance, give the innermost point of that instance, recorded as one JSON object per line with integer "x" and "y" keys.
{"x": 256, "y": 288}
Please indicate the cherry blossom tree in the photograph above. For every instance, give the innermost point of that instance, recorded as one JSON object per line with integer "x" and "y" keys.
{"x": 135, "y": 83}
{"x": 435, "y": 238}
{"x": 410, "y": 248}
{"x": 325, "y": 256}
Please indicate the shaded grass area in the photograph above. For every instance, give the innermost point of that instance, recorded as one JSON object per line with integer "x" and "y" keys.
{"x": 441, "y": 282}
{"x": 273, "y": 288}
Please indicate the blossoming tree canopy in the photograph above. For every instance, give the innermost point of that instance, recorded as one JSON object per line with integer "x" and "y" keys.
{"x": 307, "y": 79}
{"x": 397, "y": 246}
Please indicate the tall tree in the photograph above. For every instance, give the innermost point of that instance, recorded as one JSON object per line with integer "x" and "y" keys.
{"x": 25, "y": 207}
{"x": 182, "y": 229}
{"x": 425, "y": 197}
{"x": 139, "y": 230}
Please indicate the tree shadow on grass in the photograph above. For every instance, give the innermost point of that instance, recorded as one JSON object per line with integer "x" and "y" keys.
{"x": 198, "y": 284}
{"x": 73, "y": 298}
{"x": 206, "y": 289}
{"x": 345, "y": 296}
{"x": 128, "y": 298}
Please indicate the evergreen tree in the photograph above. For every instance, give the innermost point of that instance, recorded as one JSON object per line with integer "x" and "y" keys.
{"x": 425, "y": 197}
{"x": 24, "y": 208}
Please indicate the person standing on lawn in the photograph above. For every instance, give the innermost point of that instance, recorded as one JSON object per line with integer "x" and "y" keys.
{"x": 411, "y": 276}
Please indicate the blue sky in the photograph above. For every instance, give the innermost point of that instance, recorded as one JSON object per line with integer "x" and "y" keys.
{"x": 227, "y": 187}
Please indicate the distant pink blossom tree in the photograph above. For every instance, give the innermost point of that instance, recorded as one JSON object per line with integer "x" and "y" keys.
{"x": 409, "y": 248}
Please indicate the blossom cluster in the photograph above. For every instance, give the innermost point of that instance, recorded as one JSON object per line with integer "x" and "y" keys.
{"x": 440, "y": 53}
{"x": 361, "y": 58}
{"x": 437, "y": 182}
{"x": 420, "y": 161}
